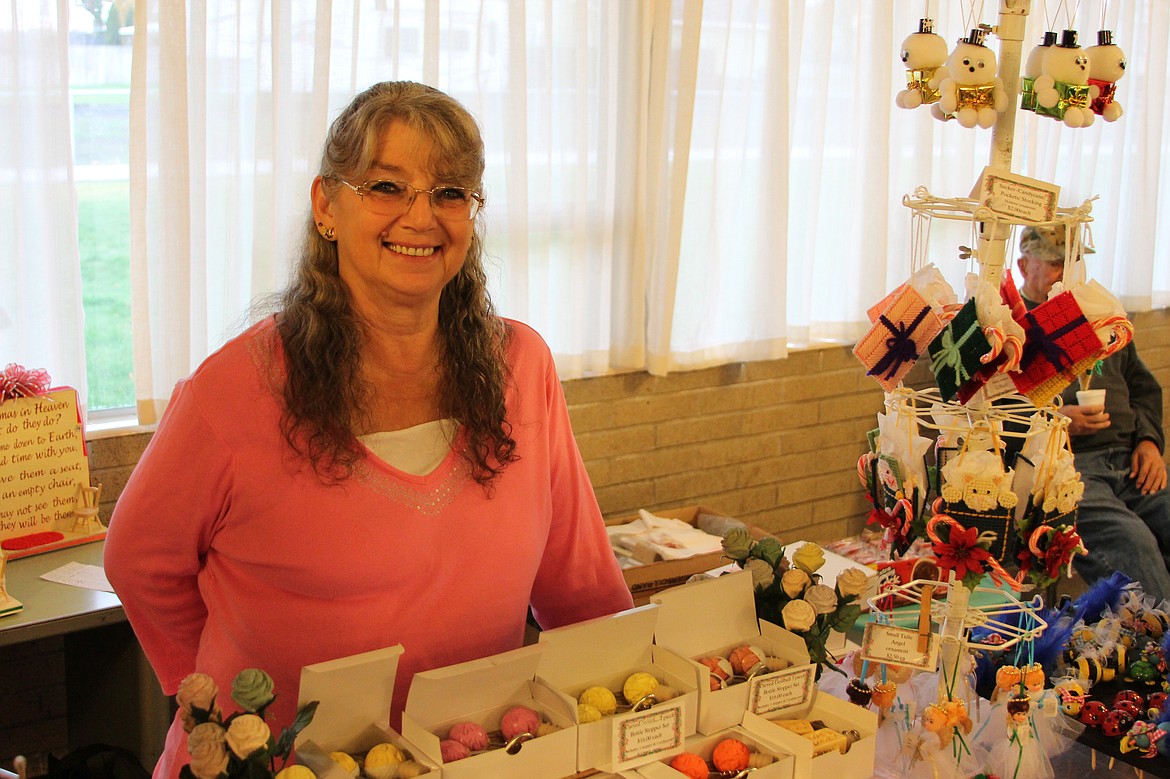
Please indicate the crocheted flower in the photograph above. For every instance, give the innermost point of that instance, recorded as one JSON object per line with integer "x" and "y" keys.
{"x": 762, "y": 573}
{"x": 852, "y": 581}
{"x": 737, "y": 543}
{"x": 798, "y": 615}
{"x": 794, "y": 582}
{"x": 822, "y": 598}
{"x": 246, "y": 734}
{"x": 809, "y": 558}
{"x": 252, "y": 689}
{"x": 962, "y": 553}
{"x": 196, "y": 700}
{"x": 209, "y": 757}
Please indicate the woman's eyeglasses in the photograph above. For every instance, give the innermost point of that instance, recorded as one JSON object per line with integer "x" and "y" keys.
{"x": 394, "y": 197}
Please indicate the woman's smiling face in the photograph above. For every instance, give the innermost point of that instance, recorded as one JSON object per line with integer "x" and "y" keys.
{"x": 401, "y": 259}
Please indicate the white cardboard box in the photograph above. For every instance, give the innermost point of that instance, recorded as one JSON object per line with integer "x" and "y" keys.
{"x": 604, "y": 652}
{"x": 481, "y": 691}
{"x": 353, "y": 713}
{"x": 703, "y": 746}
{"x": 835, "y": 713}
{"x": 714, "y": 616}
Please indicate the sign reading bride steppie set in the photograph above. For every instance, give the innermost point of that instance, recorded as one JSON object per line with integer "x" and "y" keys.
{"x": 44, "y": 471}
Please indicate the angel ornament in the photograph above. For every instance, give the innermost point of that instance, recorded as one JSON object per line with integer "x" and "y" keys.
{"x": 1020, "y": 756}
{"x": 971, "y": 92}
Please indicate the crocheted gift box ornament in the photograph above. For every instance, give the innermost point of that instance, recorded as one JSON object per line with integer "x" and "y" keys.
{"x": 955, "y": 351}
{"x": 1060, "y": 345}
{"x": 898, "y": 337}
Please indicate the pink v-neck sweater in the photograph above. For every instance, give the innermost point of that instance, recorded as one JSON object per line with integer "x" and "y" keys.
{"x": 228, "y": 553}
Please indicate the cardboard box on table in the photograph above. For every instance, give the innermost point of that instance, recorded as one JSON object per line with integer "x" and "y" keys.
{"x": 605, "y": 652}
{"x": 703, "y": 746}
{"x": 645, "y": 580}
{"x": 834, "y": 713}
{"x": 353, "y": 713}
{"x": 713, "y": 617}
{"x": 481, "y": 691}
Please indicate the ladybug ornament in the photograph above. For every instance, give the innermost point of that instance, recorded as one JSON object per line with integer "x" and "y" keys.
{"x": 1093, "y": 713}
{"x": 1117, "y": 723}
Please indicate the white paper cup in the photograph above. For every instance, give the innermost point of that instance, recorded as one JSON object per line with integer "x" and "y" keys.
{"x": 1092, "y": 397}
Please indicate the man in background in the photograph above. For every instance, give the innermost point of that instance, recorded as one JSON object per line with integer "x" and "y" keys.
{"x": 1124, "y": 516}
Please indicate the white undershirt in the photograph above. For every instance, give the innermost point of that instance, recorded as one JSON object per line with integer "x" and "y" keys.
{"x": 416, "y": 450}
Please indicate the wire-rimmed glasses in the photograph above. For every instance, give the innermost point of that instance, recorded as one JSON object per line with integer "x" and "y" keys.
{"x": 383, "y": 196}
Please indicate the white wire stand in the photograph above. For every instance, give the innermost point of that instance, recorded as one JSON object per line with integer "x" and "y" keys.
{"x": 956, "y": 616}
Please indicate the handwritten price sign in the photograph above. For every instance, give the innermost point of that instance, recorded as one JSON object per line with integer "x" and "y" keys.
{"x": 42, "y": 462}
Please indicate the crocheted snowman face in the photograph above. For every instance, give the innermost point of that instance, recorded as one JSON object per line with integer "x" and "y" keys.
{"x": 972, "y": 65}
{"x": 1106, "y": 63}
{"x": 924, "y": 51}
{"x": 1067, "y": 64}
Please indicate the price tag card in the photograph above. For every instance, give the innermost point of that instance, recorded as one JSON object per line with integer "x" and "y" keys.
{"x": 899, "y": 646}
{"x": 640, "y": 737}
{"x": 781, "y": 690}
{"x": 1017, "y": 197}
{"x": 43, "y": 463}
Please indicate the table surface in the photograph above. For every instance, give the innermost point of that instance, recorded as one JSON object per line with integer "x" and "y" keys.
{"x": 53, "y": 609}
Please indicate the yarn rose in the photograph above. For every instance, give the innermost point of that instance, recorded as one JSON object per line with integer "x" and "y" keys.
{"x": 794, "y": 582}
{"x": 209, "y": 757}
{"x": 809, "y": 558}
{"x": 762, "y": 573}
{"x": 252, "y": 689}
{"x": 246, "y": 734}
{"x": 822, "y": 598}
{"x": 798, "y": 615}
{"x": 737, "y": 543}
{"x": 197, "y": 690}
{"x": 852, "y": 581}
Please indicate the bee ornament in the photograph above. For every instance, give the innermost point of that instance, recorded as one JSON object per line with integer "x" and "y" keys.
{"x": 971, "y": 92}
{"x": 1062, "y": 90}
{"x": 1106, "y": 67}
{"x": 923, "y": 53}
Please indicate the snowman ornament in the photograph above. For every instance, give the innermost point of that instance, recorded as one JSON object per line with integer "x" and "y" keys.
{"x": 1062, "y": 90}
{"x": 1033, "y": 67}
{"x": 923, "y": 53}
{"x": 971, "y": 92}
{"x": 1106, "y": 67}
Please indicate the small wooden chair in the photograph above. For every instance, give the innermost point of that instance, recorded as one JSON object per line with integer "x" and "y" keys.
{"x": 85, "y": 511}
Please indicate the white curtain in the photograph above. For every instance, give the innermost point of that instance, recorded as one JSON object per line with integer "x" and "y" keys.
{"x": 671, "y": 184}
{"x": 41, "y": 322}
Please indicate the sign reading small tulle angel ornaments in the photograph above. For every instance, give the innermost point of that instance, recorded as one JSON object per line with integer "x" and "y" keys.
{"x": 46, "y": 499}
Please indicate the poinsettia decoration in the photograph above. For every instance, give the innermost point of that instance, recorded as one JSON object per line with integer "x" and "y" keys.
{"x": 1048, "y": 553}
{"x": 792, "y": 595}
{"x": 966, "y": 551}
{"x": 17, "y": 381}
{"x": 240, "y": 746}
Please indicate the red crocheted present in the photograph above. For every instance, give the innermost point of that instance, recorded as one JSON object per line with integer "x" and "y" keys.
{"x": 1058, "y": 340}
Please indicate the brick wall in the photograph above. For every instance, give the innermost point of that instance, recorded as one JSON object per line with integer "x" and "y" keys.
{"x": 774, "y": 443}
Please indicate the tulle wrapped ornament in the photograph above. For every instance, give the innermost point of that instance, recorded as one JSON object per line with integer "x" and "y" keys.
{"x": 923, "y": 53}
{"x": 1106, "y": 67}
{"x": 1062, "y": 89}
{"x": 971, "y": 92}
{"x": 1033, "y": 68}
